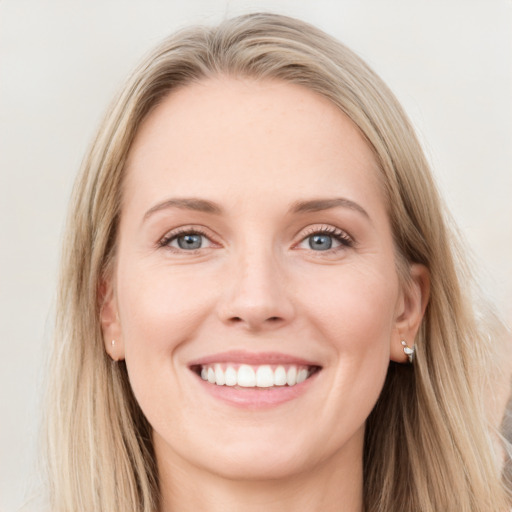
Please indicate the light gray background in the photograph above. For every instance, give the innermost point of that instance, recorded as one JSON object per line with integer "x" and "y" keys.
{"x": 448, "y": 61}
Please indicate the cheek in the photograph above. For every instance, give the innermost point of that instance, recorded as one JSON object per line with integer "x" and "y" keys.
{"x": 159, "y": 309}
{"x": 354, "y": 306}
{"x": 354, "y": 312}
{"x": 356, "y": 315}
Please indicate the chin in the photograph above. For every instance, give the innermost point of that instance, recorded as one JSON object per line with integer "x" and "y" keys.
{"x": 259, "y": 457}
{"x": 256, "y": 467}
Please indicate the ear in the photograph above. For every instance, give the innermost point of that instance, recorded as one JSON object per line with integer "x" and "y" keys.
{"x": 411, "y": 308}
{"x": 109, "y": 319}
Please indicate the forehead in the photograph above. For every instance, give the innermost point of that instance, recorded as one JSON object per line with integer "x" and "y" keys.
{"x": 252, "y": 137}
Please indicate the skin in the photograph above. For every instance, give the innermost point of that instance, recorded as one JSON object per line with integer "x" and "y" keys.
{"x": 255, "y": 149}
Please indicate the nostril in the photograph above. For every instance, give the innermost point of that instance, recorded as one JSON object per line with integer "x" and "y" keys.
{"x": 251, "y": 322}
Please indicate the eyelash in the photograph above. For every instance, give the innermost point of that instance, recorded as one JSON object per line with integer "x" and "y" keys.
{"x": 342, "y": 237}
{"x": 185, "y": 230}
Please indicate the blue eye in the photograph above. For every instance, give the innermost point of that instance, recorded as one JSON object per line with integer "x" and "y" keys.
{"x": 326, "y": 238}
{"x": 320, "y": 242}
{"x": 189, "y": 241}
{"x": 186, "y": 240}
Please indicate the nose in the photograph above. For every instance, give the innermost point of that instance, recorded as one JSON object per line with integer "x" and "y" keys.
{"x": 257, "y": 294}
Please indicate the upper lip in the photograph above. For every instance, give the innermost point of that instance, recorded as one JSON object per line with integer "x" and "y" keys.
{"x": 252, "y": 358}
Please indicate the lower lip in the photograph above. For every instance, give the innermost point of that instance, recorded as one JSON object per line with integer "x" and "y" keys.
{"x": 257, "y": 398}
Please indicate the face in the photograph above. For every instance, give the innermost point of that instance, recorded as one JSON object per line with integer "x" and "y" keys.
{"x": 255, "y": 297}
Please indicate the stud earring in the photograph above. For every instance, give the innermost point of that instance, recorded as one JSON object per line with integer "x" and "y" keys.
{"x": 113, "y": 351}
{"x": 409, "y": 352}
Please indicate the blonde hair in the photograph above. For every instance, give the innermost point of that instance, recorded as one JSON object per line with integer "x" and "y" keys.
{"x": 428, "y": 446}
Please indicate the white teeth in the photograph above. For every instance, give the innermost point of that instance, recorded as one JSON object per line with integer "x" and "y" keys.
{"x": 264, "y": 376}
{"x": 291, "y": 376}
{"x": 246, "y": 376}
{"x": 302, "y": 376}
{"x": 231, "y": 376}
{"x": 280, "y": 376}
{"x": 220, "y": 380}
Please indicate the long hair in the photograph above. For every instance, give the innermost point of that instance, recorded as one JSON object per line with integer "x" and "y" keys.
{"x": 428, "y": 447}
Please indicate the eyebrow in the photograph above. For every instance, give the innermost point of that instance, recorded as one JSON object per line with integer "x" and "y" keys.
{"x": 317, "y": 205}
{"x": 188, "y": 203}
{"x": 205, "y": 206}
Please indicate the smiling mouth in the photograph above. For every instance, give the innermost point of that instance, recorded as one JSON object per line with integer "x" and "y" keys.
{"x": 254, "y": 376}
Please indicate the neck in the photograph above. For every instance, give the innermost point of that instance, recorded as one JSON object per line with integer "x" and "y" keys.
{"x": 328, "y": 487}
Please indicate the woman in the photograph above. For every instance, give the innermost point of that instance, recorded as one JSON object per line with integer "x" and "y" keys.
{"x": 261, "y": 304}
